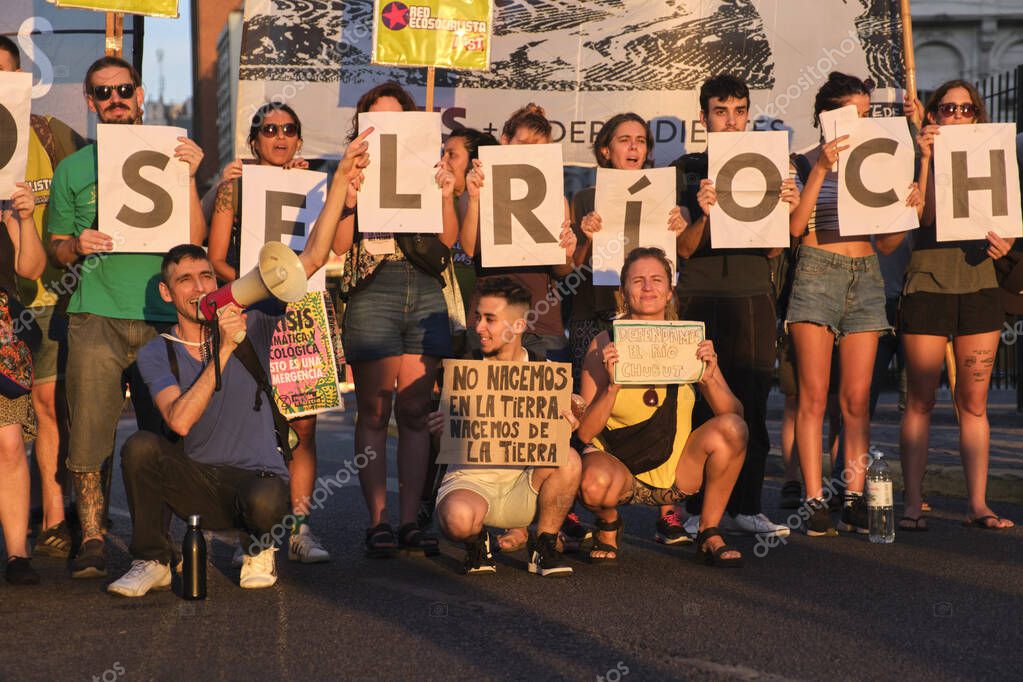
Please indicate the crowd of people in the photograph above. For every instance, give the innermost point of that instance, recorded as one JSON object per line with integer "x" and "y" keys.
{"x": 817, "y": 311}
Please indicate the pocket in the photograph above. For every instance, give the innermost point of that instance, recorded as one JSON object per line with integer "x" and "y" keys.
{"x": 811, "y": 266}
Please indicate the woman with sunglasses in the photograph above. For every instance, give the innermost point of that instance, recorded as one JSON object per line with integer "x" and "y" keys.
{"x": 615, "y": 470}
{"x": 950, "y": 291}
{"x": 275, "y": 137}
{"x": 21, "y": 254}
{"x": 395, "y": 331}
{"x": 838, "y": 298}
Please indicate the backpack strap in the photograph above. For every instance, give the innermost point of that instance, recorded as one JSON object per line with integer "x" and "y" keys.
{"x": 42, "y": 130}
{"x": 246, "y": 354}
{"x": 803, "y": 166}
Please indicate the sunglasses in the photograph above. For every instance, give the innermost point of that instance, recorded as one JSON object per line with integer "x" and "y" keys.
{"x": 101, "y": 93}
{"x": 270, "y": 129}
{"x": 949, "y": 110}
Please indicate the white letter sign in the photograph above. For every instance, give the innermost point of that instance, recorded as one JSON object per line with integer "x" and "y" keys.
{"x": 15, "y": 108}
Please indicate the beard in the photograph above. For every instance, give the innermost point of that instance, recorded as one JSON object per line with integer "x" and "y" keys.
{"x": 132, "y": 120}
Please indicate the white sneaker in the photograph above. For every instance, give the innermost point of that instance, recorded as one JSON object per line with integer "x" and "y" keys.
{"x": 238, "y": 558}
{"x": 303, "y": 546}
{"x": 692, "y": 525}
{"x": 142, "y": 577}
{"x": 758, "y": 524}
{"x": 259, "y": 571}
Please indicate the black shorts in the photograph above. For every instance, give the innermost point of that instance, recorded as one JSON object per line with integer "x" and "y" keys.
{"x": 946, "y": 315}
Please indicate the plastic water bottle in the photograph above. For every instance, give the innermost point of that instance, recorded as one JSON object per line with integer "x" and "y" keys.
{"x": 880, "y": 511}
{"x": 193, "y": 570}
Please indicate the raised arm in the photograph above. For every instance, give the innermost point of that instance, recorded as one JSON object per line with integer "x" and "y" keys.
{"x": 220, "y": 232}
{"x": 29, "y": 254}
{"x": 189, "y": 152}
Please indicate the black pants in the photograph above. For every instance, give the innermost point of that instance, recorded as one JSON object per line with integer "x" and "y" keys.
{"x": 157, "y": 472}
{"x": 744, "y": 334}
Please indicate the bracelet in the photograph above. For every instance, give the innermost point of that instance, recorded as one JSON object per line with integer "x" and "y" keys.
{"x": 346, "y": 211}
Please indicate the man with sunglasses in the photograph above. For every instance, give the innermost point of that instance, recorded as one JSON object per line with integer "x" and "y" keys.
{"x": 115, "y": 309}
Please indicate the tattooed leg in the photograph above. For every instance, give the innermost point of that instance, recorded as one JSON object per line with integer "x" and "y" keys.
{"x": 89, "y": 493}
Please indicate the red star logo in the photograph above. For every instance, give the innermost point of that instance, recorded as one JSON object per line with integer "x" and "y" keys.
{"x": 395, "y": 16}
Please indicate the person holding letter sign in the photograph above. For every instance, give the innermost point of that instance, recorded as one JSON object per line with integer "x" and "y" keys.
{"x": 21, "y": 254}
{"x": 950, "y": 291}
{"x": 474, "y": 497}
{"x": 116, "y": 308}
{"x": 275, "y": 137}
{"x": 545, "y": 332}
{"x": 395, "y": 332}
{"x": 837, "y": 297}
{"x": 643, "y": 447}
{"x": 623, "y": 142}
{"x": 730, "y": 291}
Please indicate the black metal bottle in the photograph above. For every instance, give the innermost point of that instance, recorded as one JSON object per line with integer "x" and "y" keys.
{"x": 193, "y": 551}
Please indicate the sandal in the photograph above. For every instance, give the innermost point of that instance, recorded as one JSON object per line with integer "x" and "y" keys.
{"x": 412, "y": 540}
{"x": 713, "y": 557}
{"x": 597, "y": 545}
{"x": 911, "y": 525}
{"x": 982, "y": 522}
{"x": 380, "y": 542}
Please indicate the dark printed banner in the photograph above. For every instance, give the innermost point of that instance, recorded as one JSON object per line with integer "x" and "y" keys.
{"x": 586, "y": 60}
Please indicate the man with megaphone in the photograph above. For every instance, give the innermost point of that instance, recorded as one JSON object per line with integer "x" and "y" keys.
{"x": 228, "y": 464}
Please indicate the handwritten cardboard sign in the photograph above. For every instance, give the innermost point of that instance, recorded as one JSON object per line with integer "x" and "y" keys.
{"x": 505, "y": 414}
{"x": 658, "y": 352}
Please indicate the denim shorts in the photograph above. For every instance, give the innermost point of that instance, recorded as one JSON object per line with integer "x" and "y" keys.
{"x": 400, "y": 311}
{"x": 842, "y": 293}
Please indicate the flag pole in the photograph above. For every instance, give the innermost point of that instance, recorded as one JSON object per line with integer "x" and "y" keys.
{"x": 115, "y": 34}
{"x": 430, "y": 77}
{"x": 909, "y": 57}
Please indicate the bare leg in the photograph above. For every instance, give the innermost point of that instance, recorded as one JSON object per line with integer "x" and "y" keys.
{"x": 925, "y": 355}
{"x": 303, "y": 464}
{"x": 416, "y": 378}
{"x": 14, "y": 489}
{"x": 558, "y": 488}
{"x": 460, "y": 515}
{"x": 814, "y": 344}
{"x": 374, "y": 392}
{"x": 47, "y": 452}
{"x": 788, "y": 439}
{"x": 605, "y": 481}
{"x": 856, "y": 353}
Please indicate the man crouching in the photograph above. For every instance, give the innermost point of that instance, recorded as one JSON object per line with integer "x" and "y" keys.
{"x": 472, "y": 498}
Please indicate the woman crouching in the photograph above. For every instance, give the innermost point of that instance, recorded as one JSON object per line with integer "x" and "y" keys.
{"x": 643, "y": 447}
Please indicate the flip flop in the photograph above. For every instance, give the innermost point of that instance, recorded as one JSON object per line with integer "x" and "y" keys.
{"x": 981, "y": 522}
{"x": 916, "y": 526}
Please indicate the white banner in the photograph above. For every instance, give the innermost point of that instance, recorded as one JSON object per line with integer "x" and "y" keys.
{"x": 400, "y": 193}
{"x": 874, "y": 176}
{"x": 15, "y": 107}
{"x": 747, "y": 169}
{"x": 633, "y": 206}
{"x": 143, "y": 189}
{"x": 522, "y": 205}
{"x": 280, "y": 205}
{"x": 584, "y": 62}
{"x": 976, "y": 182}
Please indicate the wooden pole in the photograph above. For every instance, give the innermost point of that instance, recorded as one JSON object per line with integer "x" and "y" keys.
{"x": 909, "y": 57}
{"x": 950, "y": 369}
{"x": 430, "y": 77}
{"x": 115, "y": 34}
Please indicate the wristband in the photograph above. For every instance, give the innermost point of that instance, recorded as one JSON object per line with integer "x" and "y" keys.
{"x": 346, "y": 211}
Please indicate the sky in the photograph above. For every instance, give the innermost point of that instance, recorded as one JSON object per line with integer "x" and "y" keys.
{"x": 173, "y": 36}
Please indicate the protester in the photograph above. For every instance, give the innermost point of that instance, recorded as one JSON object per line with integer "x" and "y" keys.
{"x": 396, "y": 331}
{"x": 623, "y": 142}
{"x": 275, "y": 137}
{"x": 473, "y": 498}
{"x": 115, "y": 310}
{"x": 950, "y": 291}
{"x": 21, "y": 254}
{"x": 50, "y": 141}
{"x": 615, "y": 470}
{"x": 227, "y": 466}
{"x": 837, "y": 299}
{"x": 731, "y": 292}
{"x": 545, "y": 331}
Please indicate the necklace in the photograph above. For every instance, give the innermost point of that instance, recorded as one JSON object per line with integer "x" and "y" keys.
{"x": 650, "y": 398}
{"x": 203, "y": 346}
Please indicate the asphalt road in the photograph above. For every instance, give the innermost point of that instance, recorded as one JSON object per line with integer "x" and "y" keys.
{"x": 939, "y": 605}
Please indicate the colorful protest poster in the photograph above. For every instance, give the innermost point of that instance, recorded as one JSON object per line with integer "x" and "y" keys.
{"x": 304, "y": 363}
{"x": 151, "y": 8}
{"x": 451, "y": 34}
{"x": 658, "y": 352}
{"x": 505, "y": 414}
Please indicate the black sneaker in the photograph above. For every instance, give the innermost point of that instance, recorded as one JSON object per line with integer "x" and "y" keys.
{"x": 90, "y": 562}
{"x": 854, "y": 517}
{"x": 574, "y": 533}
{"x": 20, "y": 572}
{"x": 670, "y": 530}
{"x": 791, "y": 495}
{"x": 545, "y": 559}
{"x": 478, "y": 557}
{"x": 837, "y": 495}
{"x": 54, "y": 542}
{"x": 819, "y": 523}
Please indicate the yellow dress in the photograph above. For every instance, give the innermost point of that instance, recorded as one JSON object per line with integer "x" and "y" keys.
{"x": 630, "y": 409}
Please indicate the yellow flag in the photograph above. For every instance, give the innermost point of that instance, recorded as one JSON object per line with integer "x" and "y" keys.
{"x": 451, "y": 34}
{"x": 153, "y": 8}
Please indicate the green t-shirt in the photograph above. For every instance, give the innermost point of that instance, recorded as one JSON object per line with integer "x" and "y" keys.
{"x": 119, "y": 285}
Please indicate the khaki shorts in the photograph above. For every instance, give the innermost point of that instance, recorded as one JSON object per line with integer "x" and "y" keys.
{"x": 510, "y": 504}
{"x": 47, "y": 359}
